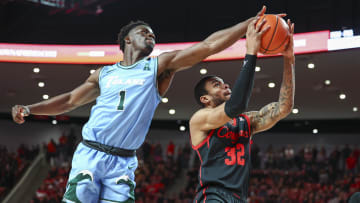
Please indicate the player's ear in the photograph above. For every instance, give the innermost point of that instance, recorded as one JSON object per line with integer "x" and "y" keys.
{"x": 205, "y": 99}
{"x": 127, "y": 40}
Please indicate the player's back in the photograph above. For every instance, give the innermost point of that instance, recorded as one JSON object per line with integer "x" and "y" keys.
{"x": 127, "y": 102}
{"x": 225, "y": 158}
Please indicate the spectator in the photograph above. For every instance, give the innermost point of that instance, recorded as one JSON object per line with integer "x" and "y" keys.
{"x": 13, "y": 166}
{"x": 308, "y": 180}
{"x": 351, "y": 163}
{"x": 170, "y": 150}
{"x": 51, "y": 151}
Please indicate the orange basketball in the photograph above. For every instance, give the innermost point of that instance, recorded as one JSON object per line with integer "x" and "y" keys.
{"x": 277, "y": 37}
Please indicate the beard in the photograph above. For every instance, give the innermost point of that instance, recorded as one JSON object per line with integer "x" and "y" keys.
{"x": 218, "y": 101}
{"x": 148, "y": 49}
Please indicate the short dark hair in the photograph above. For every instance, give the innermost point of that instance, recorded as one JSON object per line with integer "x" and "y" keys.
{"x": 200, "y": 90}
{"x": 124, "y": 31}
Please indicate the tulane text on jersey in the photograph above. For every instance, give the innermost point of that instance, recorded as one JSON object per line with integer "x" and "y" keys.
{"x": 127, "y": 102}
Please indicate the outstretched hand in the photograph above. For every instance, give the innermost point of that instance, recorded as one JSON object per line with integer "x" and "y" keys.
{"x": 289, "y": 50}
{"x": 253, "y": 35}
{"x": 18, "y": 113}
{"x": 263, "y": 10}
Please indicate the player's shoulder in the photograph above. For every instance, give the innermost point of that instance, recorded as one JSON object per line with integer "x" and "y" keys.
{"x": 195, "y": 124}
{"x": 94, "y": 77}
{"x": 165, "y": 58}
{"x": 199, "y": 116}
{"x": 107, "y": 70}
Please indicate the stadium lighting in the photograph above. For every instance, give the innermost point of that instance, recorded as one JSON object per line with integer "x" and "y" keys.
{"x": 171, "y": 111}
{"x": 271, "y": 85}
{"x": 342, "y": 96}
{"x": 165, "y": 100}
{"x": 41, "y": 84}
{"x": 182, "y": 128}
{"x": 203, "y": 71}
{"x": 311, "y": 66}
{"x": 36, "y": 70}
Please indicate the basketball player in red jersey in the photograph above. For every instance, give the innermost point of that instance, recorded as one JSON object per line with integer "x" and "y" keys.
{"x": 221, "y": 132}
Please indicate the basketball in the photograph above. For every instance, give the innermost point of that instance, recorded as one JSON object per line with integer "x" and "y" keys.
{"x": 274, "y": 41}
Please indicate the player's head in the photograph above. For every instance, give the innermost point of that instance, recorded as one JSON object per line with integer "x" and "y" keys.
{"x": 137, "y": 34}
{"x": 211, "y": 91}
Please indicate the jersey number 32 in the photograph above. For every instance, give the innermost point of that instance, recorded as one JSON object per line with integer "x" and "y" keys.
{"x": 235, "y": 154}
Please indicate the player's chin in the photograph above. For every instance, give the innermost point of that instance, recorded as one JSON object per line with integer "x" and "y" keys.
{"x": 227, "y": 97}
{"x": 148, "y": 49}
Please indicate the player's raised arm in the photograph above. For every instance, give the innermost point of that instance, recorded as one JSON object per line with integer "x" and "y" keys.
{"x": 171, "y": 62}
{"x": 211, "y": 118}
{"x": 85, "y": 93}
{"x": 215, "y": 43}
{"x": 270, "y": 114}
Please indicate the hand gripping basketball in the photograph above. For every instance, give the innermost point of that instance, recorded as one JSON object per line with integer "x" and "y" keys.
{"x": 289, "y": 49}
{"x": 253, "y": 35}
{"x": 276, "y": 39}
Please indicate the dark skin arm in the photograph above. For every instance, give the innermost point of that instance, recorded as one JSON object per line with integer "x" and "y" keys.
{"x": 270, "y": 114}
{"x": 83, "y": 94}
{"x": 172, "y": 62}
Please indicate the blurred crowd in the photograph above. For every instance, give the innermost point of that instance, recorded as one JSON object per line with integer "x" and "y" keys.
{"x": 307, "y": 174}
{"x": 13, "y": 165}
{"x": 58, "y": 155}
{"x": 156, "y": 174}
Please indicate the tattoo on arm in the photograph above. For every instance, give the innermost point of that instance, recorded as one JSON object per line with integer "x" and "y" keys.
{"x": 270, "y": 114}
{"x": 286, "y": 98}
{"x": 265, "y": 118}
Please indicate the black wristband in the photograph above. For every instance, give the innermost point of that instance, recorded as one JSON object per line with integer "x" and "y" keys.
{"x": 241, "y": 92}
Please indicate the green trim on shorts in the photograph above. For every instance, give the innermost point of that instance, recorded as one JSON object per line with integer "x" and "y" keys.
{"x": 129, "y": 183}
{"x": 70, "y": 193}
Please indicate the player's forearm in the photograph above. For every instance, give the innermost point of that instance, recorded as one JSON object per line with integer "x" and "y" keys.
{"x": 54, "y": 106}
{"x": 241, "y": 93}
{"x": 222, "y": 39}
{"x": 287, "y": 90}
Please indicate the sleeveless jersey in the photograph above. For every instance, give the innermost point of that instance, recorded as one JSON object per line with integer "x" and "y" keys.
{"x": 225, "y": 158}
{"x": 127, "y": 102}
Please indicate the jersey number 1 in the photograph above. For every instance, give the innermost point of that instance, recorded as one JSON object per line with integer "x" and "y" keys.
{"x": 122, "y": 94}
{"x": 236, "y": 155}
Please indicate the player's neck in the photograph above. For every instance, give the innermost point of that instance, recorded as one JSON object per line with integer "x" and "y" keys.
{"x": 211, "y": 105}
{"x": 131, "y": 57}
